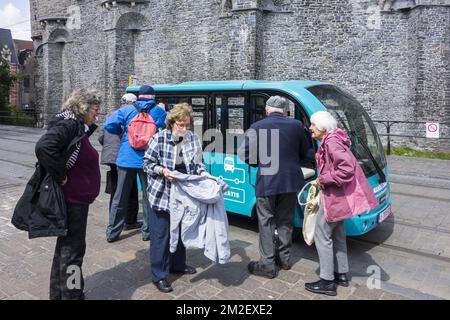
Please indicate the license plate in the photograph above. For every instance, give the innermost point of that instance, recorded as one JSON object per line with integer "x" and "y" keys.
{"x": 383, "y": 215}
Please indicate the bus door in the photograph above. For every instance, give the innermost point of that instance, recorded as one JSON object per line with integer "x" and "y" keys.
{"x": 230, "y": 117}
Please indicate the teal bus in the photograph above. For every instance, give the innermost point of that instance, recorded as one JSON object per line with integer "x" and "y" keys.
{"x": 230, "y": 107}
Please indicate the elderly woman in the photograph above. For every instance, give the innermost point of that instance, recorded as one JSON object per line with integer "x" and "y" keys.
{"x": 65, "y": 152}
{"x": 175, "y": 148}
{"x": 345, "y": 193}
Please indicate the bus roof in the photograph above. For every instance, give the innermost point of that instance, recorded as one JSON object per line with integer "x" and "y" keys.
{"x": 230, "y": 85}
{"x": 295, "y": 88}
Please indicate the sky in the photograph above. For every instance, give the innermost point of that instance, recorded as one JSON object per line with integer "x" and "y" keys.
{"x": 15, "y": 15}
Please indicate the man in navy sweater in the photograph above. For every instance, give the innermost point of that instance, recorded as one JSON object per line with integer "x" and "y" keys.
{"x": 276, "y": 144}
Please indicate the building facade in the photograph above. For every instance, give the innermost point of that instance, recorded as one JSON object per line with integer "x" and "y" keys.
{"x": 392, "y": 55}
{"x": 19, "y": 55}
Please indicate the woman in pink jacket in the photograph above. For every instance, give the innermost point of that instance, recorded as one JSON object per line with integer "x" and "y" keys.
{"x": 345, "y": 193}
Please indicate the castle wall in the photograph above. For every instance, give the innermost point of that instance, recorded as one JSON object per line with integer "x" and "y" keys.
{"x": 393, "y": 58}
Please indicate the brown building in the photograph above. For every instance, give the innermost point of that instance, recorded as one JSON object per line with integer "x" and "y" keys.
{"x": 19, "y": 55}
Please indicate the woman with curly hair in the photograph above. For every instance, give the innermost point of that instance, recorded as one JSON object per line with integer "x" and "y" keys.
{"x": 65, "y": 153}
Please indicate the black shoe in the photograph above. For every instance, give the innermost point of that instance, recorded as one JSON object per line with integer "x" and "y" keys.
{"x": 113, "y": 239}
{"x": 186, "y": 270}
{"x": 132, "y": 226}
{"x": 254, "y": 267}
{"x": 145, "y": 238}
{"x": 322, "y": 286}
{"x": 281, "y": 264}
{"x": 341, "y": 279}
{"x": 163, "y": 286}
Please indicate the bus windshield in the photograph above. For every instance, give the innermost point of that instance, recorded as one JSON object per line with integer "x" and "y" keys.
{"x": 354, "y": 120}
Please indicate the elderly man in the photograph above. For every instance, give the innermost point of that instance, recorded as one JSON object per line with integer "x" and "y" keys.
{"x": 110, "y": 146}
{"x": 130, "y": 161}
{"x": 275, "y": 144}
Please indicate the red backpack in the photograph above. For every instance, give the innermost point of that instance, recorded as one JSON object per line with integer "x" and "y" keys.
{"x": 140, "y": 130}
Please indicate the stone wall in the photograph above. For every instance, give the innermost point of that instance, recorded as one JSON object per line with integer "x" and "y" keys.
{"x": 392, "y": 55}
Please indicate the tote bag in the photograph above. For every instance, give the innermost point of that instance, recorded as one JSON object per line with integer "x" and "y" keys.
{"x": 310, "y": 210}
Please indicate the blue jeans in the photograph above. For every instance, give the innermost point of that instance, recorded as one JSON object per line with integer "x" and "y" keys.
{"x": 119, "y": 206}
{"x": 162, "y": 262}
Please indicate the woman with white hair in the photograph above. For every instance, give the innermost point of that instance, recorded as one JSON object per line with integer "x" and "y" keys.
{"x": 345, "y": 193}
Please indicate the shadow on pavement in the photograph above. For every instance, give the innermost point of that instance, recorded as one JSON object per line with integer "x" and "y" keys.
{"x": 361, "y": 262}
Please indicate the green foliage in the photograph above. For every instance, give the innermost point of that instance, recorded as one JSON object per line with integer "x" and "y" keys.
{"x": 6, "y": 81}
{"x": 10, "y": 114}
{"x": 405, "y": 151}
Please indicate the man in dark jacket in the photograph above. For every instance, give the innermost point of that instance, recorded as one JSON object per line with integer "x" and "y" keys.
{"x": 276, "y": 144}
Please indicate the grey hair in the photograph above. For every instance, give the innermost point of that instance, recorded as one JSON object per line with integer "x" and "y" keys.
{"x": 80, "y": 101}
{"x": 324, "y": 121}
{"x": 128, "y": 98}
{"x": 277, "y": 102}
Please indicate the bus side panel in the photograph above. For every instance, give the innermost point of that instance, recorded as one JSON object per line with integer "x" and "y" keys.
{"x": 240, "y": 197}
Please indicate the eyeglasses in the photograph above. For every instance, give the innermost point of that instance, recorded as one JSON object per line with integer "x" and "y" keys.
{"x": 183, "y": 125}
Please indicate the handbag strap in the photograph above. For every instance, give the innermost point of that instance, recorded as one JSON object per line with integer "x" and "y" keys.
{"x": 311, "y": 184}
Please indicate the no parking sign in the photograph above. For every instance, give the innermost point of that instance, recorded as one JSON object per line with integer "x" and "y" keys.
{"x": 432, "y": 129}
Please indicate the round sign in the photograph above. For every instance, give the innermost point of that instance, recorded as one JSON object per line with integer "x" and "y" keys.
{"x": 432, "y": 127}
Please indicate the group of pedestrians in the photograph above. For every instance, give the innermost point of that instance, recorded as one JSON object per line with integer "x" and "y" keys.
{"x": 171, "y": 167}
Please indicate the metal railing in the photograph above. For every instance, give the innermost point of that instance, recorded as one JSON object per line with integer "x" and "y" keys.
{"x": 26, "y": 118}
{"x": 389, "y": 123}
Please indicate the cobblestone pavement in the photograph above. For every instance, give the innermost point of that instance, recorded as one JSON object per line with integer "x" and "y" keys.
{"x": 411, "y": 250}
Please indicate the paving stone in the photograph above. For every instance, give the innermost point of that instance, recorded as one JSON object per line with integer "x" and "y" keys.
{"x": 23, "y": 296}
{"x": 100, "y": 293}
{"x": 204, "y": 291}
{"x": 289, "y": 276}
{"x": 186, "y": 297}
{"x": 391, "y": 296}
{"x": 293, "y": 295}
{"x": 181, "y": 288}
{"x": 234, "y": 293}
{"x": 277, "y": 286}
{"x": 264, "y": 294}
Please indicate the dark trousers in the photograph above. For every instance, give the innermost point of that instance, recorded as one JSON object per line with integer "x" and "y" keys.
{"x": 119, "y": 205}
{"x": 275, "y": 212}
{"x": 161, "y": 260}
{"x": 66, "y": 278}
{"x": 133, "y": 200}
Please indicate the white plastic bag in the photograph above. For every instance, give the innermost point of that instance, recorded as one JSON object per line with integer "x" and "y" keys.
{"x": 310, "y": 210}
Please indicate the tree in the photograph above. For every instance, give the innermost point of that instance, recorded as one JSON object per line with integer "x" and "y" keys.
{"x": 6, "y": 81}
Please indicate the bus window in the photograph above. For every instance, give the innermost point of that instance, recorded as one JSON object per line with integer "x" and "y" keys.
{"x": 199, "y": 114}
{"x": 199, "y": 107}
{"x": 355, "y": 121}
{"x": 259, "y": 108}
{"x": 219, "y": 108}
{"x": 230, "y": 120}
{"x": 294, "y": 111}
{"x": 290, "y": 112}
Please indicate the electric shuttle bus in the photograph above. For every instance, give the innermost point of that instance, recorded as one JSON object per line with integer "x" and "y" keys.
{"x": 223, "y": 110}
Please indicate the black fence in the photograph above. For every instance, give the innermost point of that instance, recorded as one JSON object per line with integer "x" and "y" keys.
{"x": 388, "y": 124}
{"x": 25, "y": 118}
